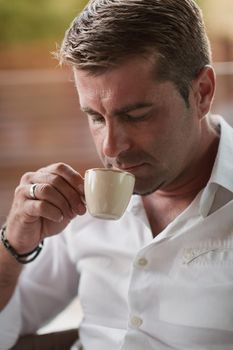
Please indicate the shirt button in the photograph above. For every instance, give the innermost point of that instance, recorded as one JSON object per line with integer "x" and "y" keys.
{"x": 136, "y": 321}
{"x": 142, "y": 262}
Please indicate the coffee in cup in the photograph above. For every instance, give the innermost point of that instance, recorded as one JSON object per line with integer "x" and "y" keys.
{"x": 108, "y": 192}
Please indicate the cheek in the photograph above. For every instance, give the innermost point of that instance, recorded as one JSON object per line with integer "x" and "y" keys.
{"x": 98, "y": 138}
{"x": 154, "y": 139}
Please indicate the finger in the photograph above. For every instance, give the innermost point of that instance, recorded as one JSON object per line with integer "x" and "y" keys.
{"x": 34, "y": 209}
{"x": 71, "y": 195}
{"x": 66, "y": 172}
{"x": 73, "y": 191}
{"x": 46, "y": 192}
{"x": 67, "y": 200}
{"x": 74, "y": 179}
{"x": 70, "y": 175}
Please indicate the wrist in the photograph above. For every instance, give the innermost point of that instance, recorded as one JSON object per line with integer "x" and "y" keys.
{"x": 24, "y": 258}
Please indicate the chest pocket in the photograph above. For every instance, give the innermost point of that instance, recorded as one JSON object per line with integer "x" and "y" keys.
{"x": 201, "y": 289}
{"x": 208, "y": 257}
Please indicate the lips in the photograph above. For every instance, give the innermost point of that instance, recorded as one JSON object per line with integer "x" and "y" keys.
{"x": 132, "y": 164}
{"x": 131, "y": 167}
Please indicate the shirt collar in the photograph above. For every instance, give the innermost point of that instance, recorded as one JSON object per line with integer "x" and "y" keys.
{"x": 135, "y": 203}
{"x": 223, "y": 167}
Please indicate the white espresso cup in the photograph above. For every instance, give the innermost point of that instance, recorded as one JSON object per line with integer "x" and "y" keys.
{"x": 108, "y": 192}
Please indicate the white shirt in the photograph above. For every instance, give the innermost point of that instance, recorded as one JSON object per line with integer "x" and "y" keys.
{"x": 171, "y": 292}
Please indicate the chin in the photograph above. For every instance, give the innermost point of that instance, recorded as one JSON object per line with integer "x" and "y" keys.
{"x": 146, "y": 190}
{"x": 144, "y": 193}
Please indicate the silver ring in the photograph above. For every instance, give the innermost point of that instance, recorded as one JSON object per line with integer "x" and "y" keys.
{"x": 32, "y": 191}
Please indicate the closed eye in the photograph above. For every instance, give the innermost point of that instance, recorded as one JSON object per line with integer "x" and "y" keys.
{"x": 95, "y": 118}
{"x": 136, "y": 113}
{"x": 138, "y": 117}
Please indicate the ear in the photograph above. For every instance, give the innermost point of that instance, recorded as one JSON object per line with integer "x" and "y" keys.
{"x": 203, "y": 89}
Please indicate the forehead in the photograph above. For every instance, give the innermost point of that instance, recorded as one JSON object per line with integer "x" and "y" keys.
{"x": 133, "y": 76}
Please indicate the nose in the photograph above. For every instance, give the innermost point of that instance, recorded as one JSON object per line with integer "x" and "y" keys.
{"x": 116, "y": 139}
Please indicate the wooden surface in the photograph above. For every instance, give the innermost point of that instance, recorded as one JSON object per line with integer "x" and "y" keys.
{"x": 40, "y": 123}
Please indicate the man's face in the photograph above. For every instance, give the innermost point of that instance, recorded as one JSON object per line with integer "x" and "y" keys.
{"x": 140, "y": 125}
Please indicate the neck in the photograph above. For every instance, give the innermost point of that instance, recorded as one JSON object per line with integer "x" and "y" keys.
{"x": 197, "y": 174}
{"x": 165, "y": 204}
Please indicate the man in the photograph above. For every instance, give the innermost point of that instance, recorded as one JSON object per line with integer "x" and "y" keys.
{"x": 161, "y": 277}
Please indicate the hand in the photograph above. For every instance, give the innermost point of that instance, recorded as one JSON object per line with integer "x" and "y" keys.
{"x": 59, "y": 196}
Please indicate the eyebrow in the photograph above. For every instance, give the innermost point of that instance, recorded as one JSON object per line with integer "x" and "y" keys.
{"x": 88, "y": 110}
{"x": 120, "y": 111}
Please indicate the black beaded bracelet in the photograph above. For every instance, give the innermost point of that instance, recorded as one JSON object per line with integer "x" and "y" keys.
{"x": 21, "y": 258}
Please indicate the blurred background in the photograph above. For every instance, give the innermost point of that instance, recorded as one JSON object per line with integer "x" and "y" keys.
{"x": 40, "y": 122}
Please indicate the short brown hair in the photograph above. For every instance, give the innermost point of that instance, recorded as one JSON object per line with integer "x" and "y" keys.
{"x": 108, "y": 32}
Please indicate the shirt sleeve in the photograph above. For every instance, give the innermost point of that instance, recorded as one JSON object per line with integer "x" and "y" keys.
{"x": 10, "y": 323}
{"x": 46, "y": 286}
